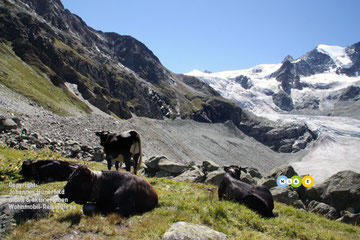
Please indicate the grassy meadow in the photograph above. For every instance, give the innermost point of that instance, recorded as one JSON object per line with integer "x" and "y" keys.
{"x": 178, "y": 201}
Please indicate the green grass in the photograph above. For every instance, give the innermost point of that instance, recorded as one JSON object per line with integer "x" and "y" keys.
{"x": 178, "y": 201}
{"x": 28, "y": 81}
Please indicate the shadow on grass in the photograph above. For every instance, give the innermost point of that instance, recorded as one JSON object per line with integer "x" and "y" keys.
{"x": 73, "y": 218}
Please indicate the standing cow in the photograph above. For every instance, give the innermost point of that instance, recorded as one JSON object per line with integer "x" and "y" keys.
{"x": 122, "y": 148}
{"x": 258, "y": 198}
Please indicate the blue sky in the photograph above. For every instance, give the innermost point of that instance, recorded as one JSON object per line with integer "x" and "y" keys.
{"x": 225, "y": 35}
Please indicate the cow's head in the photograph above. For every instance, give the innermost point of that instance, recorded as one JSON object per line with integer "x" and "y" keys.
{"x": 234, "y": 171}
{"x": 103, "y": 136}
{"x": 26, "y": 168}
{"x": 79, "y": 186}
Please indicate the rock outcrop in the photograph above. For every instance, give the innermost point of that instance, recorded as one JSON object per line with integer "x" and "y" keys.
{"x": 184, "y": 230}
{"x": 341, "y": 191}
{"x": 17, "y": 209}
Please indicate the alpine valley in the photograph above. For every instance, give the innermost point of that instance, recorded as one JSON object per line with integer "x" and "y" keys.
{"x": 65, "y": 80}
{"x": 320, "y": 89}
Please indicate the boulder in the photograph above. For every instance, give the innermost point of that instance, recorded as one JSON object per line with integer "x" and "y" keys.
{"x": 284, "y": 195}
{"x": 268, "y": 182}
{"x": 210, "y": 166}
{"x": 17, "y": 209}
{"x": 7, "y": 124}
{"x": 350, "y": 218}
{"x": 153, "y": 162}
{"x": 171, "y": 166}
{"x": 247, "y": 178}
{"x": 285, "y": 170}
{"x": 97, "y": 156}
{"x": 341, "y": 191}
{"x": 192, "y": 175}
{"x": 323, "y": 209}
{"x": 215, "y": 177}
{"x": 253, "y": 172}
{"x": 299, "y": 204}
{"x": 163, "y": 174}
{"x": 184, "y": 230}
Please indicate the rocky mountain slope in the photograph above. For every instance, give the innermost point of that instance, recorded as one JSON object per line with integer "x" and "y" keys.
{"x": 53, "y": 58}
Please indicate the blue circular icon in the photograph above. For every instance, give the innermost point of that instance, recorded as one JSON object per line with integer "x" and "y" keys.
{"x": 282, "y": 181}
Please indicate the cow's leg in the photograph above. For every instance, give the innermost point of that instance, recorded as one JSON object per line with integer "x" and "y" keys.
{"x": 124, "y": 202}
{"x": 109, "y": 163}
{"x": 117, "y": 165}
{"x": 136, "y": 159}
{"x": 127, "y": 162}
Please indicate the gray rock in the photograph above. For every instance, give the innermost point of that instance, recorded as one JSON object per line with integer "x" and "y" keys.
{"x": 153, "y": 162}
{"x": 350, "y": 218}
{"x": 17, "y": 209}
{"x": 341, "y": 191}
{"x": 171, "y": 166}
{"x": 215, "y": 177}
{"x": 210, "y": 166}
{"x": 184, "y": 230}
{"x": 247, "y": 178}
{"x": 284, "y": 195}
{"x": 323, "y": 209}
{"x": 23, "y": 146}
{"x": 285, "y": 170}
{"x": 254, "y": 172}
{"x": 192, "y": 175}
{"x": 283, "y": 101}
{"x": 75, "y": 149}
{"x": 299, "y": 204}
{"x": 7, "y": 124}
{"x": 97, "y": 157}
{"x": 268, "y": 182}
{"x": 163, "y": 174}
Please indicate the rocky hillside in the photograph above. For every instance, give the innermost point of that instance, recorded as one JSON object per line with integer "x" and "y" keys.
{"x": 53, "y": 58}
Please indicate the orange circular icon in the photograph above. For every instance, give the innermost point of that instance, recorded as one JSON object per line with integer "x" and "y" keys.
{"x": 308, "y": 181}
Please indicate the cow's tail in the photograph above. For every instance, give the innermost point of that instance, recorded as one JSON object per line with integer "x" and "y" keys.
{"x": 139, "y": 165}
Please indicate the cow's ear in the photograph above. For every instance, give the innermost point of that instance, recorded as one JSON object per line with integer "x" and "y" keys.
{"x": 226, "y": 168}
{"x": 98, "y": 133}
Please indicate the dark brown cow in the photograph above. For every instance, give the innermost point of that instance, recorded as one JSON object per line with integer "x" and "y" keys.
{"x": 110, "y": 191}
{"x": 122, "y": 148}
{"x": 258, "y": 198}
{"x": 47, "y": 170}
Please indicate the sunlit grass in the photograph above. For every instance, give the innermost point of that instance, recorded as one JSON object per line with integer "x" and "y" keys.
{"x": 178, "y": 201}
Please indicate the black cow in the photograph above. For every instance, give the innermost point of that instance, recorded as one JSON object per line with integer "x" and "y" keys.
{"x": 122, "y": 148}
{"x": 46, "y": 170}
{"x": 111, "y": 191}
{"x": 258, "y": 198}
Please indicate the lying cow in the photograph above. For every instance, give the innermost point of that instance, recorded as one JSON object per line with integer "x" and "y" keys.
{"x": 258, "y": 198}
{"x": 122, "y": 148}
{"x": 45, "y": 170}
{"x": 110, "y": 191}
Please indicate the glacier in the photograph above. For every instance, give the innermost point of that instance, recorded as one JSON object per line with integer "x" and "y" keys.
{"x": 338, "y": 145}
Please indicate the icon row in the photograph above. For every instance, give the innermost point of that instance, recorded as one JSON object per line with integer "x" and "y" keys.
{"x": 295, "y": 181}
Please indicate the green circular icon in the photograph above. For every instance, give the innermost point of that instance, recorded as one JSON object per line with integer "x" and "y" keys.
{"x": 296, "y": 181}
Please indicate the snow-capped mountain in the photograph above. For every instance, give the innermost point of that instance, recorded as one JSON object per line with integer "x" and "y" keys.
{"x": 320, "y": 89}
{"x": 322, "y": 82}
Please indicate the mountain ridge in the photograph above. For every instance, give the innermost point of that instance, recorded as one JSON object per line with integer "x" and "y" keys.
{"x": 287, "y": 87}
{"x": 117, "y": 74}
